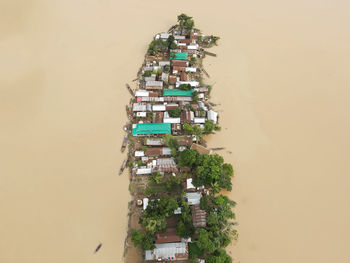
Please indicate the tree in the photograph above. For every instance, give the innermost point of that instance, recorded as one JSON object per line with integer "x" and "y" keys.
{"x": 166, "y": 68}
{"x": 204, "y": 241}
{"x": 173, "y": 184}
{"x": 214, "y": 39}
{"x": 145, "y": 241}
{"x": 194, "y": 251}
{"x": 147, "y": 73}
{"x": 185, "y": 22}
{"x": 195, "y": 96}
{"x": 219, "y": 256}
{"x": 209, "y": 126}
{"x": 156, "y": 177}
{"x": 171, "y": 142}
{"x": 175, "y": 113}
{"x": 187, "y": 158}
{"x": 185, "y": 227}
{"x": 185, "y": 87}
{"x": 157, "y": 46}
{"x": 193, "y": 60}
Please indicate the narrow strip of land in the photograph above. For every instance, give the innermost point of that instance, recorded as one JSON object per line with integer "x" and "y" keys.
{"x": 177, "y": 211}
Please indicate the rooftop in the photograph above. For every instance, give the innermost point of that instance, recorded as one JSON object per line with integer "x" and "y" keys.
{"x": 151, "y": 128}
{"x": 175, "y": 251}
{"x": 179, "y": 56}
{"x": 177, "y": 92}
{"x": 168, "y": 236}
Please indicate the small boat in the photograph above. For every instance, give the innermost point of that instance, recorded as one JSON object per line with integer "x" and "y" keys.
{"x": 98, "y": 247}
{"x": 122, "y": 167}
{"x": 125, "y": 142}
{"x": 129, "y": 89}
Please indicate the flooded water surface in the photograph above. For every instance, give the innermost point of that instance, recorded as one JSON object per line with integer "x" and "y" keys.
{"x": 281, "y": 79}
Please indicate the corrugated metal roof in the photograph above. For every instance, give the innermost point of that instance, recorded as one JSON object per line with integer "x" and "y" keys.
{"x": 154, "y": 83}
{"x": 177, "y": 92}
{"x": 158, "y": 107}
{"x": 193, "y": 198}
{"x": 138, "y": 107}
{"x": 154, "y": 142}
{"x": 180, "y": 56}
{"x": 142, "y": 93}
{"x": 168, "y": 251}
{"x": 151, "y": 128}
{"x": 213, "y": 116}
{"x": 164, "y": 63}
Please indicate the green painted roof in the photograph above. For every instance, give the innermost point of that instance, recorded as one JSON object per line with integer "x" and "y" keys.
{"x": 151, "y": 128}
{"x": 177, "y": 92}
{"x": 180, "y": 56}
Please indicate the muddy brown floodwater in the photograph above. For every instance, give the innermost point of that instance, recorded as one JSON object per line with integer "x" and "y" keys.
{"x": 281, "y": 78}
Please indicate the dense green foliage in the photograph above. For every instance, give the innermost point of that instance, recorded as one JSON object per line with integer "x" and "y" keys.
{"x": 145, "y": 241}
{"x": 153, "y": 218}
{"x": 185, "y": 22}
{"x": 194, "y": 251}
{"x": 157, "y": 46}
{"x": 193, "y": 130}
{"x": 185, "y": 227}
{"x": 172, "y": 143}
{"x": 175, "y": 113}
{"x": 173, "y": 184}
{"x": 156, "y": 177}
{"x": 188, "y": 158}
{"x": 209, "y": 170}
{"x": 195, "y": 96}
{"x": 210, "y": 126}
{"x": 185, "y": 87}
{"x": 147, "y": 73}
{"x": 171, "y": 42}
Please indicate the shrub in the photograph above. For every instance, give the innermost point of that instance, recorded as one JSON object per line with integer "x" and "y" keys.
{"x": 175, "y": 113}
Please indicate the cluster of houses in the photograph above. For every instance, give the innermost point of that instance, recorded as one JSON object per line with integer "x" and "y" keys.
{"x": 160, "y": 91}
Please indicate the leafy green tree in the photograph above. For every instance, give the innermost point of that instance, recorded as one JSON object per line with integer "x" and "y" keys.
{"x": 195, "y": 96}
{"x": 187, "y": 158}
{"x": 214, "y": 39}
{"x": 194, "y": 251}
{"x": 185, "y": 22}
{"x": 166, "y": 68}
{"x": 219, "y": 256}
{"x": 205, "y": 203}
{"x": 156, "y": 177}
{"x": 185, "y": 87}
{"x": 157, "y": 46}
{"x": 209, "y": 126}
{"x": 204, "y": 241}
{"x": 147, "y": 73}
{"x": 173, "y": 184}
{"x": 154, "y": 224}
{"x": 145, "y": 241}
{"x": 193, "y": 61}
{"x": 171, "y": 142}
{"x": 175, "y": 113}
{"x": 185, "y": 227}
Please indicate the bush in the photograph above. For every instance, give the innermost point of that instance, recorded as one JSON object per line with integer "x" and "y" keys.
{"x": 173, "y": 184}
{"x": 175, "y": 113}
{"x": 147, "y": 73}
{"x": 185, "y": 87}
{"x": 145, "y": 241}
{"x": 194, "y": 251}
{"x": 157, "y": 46}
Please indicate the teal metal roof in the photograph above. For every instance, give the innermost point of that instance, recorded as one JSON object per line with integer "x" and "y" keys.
{"x": 180, "y": 56}
{"x": 177, "y": 92}
{"x": 151, "y": 128}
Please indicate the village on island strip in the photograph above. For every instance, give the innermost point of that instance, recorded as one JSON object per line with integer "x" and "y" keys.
{"x": 177, "y": 212}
